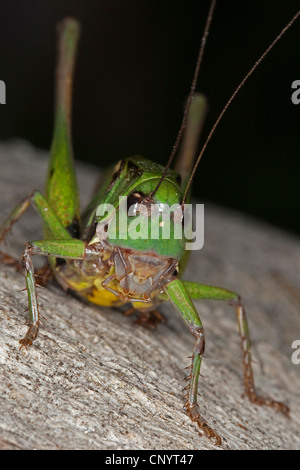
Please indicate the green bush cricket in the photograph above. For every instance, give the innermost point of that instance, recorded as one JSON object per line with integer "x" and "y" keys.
{"x": 113, "y": 270}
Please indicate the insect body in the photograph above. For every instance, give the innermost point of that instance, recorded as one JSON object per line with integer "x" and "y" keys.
{"x": 111, "y": 268}
{"x": 114, "y": 271}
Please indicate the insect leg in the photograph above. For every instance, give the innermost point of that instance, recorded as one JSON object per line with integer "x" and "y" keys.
{"x": 51, "y": 223}
{"x": 61, "y": 184}
{"x": 61, "y": 245}
{"x": 16, "y": 213}
{"x": 180, "y": 298}
{"x": 201, "y": 291}
{"x": 6, "y": 225}
{"x": 64, "y": 249}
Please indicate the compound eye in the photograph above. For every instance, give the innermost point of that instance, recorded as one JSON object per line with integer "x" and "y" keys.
{"x": 133, "y": 202}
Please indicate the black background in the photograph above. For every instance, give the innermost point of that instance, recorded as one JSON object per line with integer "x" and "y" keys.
{"x": 134, "y": 69}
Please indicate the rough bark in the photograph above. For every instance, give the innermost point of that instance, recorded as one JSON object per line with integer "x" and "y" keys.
{"x": 93, "y": 380}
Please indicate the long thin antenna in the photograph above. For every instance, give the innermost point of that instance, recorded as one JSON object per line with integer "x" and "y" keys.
{"x": 191, "y": 94}
{"x": 283, "y": 31}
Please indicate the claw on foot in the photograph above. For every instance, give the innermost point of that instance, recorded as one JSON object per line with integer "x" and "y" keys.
{"x": 193, "y": 413}
{"x": 29, "y": 337}
{"x": 262, "y": 401}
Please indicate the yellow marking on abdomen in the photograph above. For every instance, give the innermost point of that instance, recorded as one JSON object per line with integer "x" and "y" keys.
{"x": 104, "y": 297}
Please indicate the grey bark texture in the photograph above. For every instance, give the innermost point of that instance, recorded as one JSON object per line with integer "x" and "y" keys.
{"x": 93, "y": 380}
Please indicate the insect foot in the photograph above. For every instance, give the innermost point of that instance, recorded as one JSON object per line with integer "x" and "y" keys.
{"x": 29, "y": 337}
{"x": 262, "y": 401}
{"x": 194, "y": 414}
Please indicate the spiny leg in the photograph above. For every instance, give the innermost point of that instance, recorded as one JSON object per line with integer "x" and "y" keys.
{"x": 180, "y": 298}
{"x": 201, "y": 291}
{"x": 15, "y": 214}
{"x": 54, "y": 228}
{"x": 33, "y": 307}
{"x": 7, "y": 224}
{"x": 52, "y": 225}
{"x": 44, "y": 274}
{"x": 65, "y": 249}
{"x": 191, "y": 404}
{"x": 62, "y": 246}
{"x": 249, "y": 386}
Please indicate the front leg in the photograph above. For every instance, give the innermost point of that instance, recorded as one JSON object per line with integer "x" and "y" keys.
{"x": 66, "y": 249}
{"x": 192, "y": 387}
{"x": 60, "y": 245}
{"x": 180, "y": 298}
{"x": 33, "y": 307}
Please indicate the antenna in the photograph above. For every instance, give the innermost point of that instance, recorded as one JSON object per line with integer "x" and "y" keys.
{"x": 191, "y": 94}
{"x": 242, "y": 83}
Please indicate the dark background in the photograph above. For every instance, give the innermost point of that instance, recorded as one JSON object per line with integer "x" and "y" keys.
{"x": 134, "y": 69}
